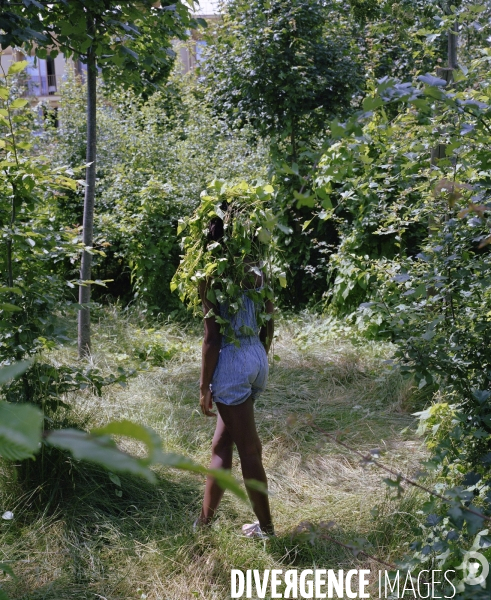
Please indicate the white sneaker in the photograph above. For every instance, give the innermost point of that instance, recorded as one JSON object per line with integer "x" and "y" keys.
{"x": 253, "y": 530}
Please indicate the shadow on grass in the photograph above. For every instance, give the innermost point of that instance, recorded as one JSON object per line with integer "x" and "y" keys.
{"x": 89, "y": 521}
{"x": 328, "y": 545}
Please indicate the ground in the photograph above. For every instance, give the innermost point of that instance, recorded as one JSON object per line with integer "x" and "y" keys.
{"x": 103, "y": 537}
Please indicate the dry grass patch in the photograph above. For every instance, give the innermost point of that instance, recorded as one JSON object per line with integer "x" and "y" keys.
{"x": 95, "y": 544}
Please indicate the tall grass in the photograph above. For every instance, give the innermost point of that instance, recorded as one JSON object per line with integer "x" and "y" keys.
{"x": 101, "y": 540}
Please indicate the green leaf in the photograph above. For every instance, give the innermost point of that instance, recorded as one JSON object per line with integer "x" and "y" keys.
{"x": 223, "y": 478}
{"x": 133, "y": 430}
{"x": 432, "y": 80}
{"x": 304, "y": 199}
{"x": 246, "y": 330}
{"x": 12, "y": 371}
{"x": 17, "y": 67}
{"x": 474, "y": 522}
{"x": 4, "y": 93}
{"x": 100, "y": 450}
{"x": 20, "y": 430}
{"x": 7, "y": 307}
{"x": 284, "y": 228}
{"x": 372, "y": 103}
{"x": 19, "y": 103}
{"x": 7, "y": 569}
{"x": 263, "y": 235}
{"x": 337, "y": 129}
{"x": 115, "y": 479}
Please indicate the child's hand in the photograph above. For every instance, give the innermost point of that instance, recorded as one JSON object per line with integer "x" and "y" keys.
{"x": 206, "y": 403}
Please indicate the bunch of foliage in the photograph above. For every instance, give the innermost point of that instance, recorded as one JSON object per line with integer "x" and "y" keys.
{"x": 271, "y": 65}
{"x": 177, "y": 148}
{"x": 31, "y": 243}
{"x": 34, "y": 294}
{"x": 228, "y": 268}
{"x": 407, "y": 184}
{"x": 129, "y": 43}
{"x": 284, "y": 68}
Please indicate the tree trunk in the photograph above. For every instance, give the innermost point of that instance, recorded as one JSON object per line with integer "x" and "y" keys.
{"x": 453, "y": 37}
{"x": 88, "y": 220}
{"x": 293, "y": 139}
{"x": 439, "y": 151}
{"x": 447, "y": 74}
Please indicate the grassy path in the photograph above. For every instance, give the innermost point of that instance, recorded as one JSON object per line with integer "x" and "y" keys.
{"x": 99, "y": 540}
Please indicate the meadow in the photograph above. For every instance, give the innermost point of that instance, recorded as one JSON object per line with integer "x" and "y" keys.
{"x": 79, "y": 532}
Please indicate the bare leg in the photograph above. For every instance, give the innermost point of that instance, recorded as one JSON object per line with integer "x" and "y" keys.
{"x": 221, "y": 458}
{"x": 240, "y": 424}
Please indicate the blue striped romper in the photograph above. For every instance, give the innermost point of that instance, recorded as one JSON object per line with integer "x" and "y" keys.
{"x": 241, "y": 371}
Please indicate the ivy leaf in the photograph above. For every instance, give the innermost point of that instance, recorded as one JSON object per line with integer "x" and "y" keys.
{"x": 433, "y": 520}
{"x": 455, "y": 513}
{"x": 474, "y": 522}
{"x": 471, "y": 479}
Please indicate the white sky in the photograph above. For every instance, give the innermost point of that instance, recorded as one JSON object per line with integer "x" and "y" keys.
{"x": 208, "y": 7}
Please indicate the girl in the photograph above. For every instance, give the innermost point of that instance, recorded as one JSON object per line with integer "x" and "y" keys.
{"x": 234, "y": 372}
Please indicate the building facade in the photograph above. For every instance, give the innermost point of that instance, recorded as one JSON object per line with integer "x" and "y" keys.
{"x": 43, "y": 77}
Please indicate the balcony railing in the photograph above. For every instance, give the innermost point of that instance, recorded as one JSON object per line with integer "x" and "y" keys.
{"x": 41, "y": 85}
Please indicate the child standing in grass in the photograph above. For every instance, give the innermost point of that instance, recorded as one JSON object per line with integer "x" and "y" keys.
{"x": 236, "y": 299}
{"x": 233, "y": 377}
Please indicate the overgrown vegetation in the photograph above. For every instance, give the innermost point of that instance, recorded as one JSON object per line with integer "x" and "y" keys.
{"x": 359, "y": 136}
{"x": 119, "y": 537}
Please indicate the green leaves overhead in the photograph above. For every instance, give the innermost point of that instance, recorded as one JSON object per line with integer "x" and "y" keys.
{"x": 272, "y": 65}
{"x": 132, "y": 41}
{"x": 230, "y": 267}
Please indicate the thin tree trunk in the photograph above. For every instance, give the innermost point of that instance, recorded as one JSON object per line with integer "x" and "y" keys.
{"x": 10, "y": 270}
{"x": 294, "y": 140}
{"x": 88, "y": 221}
{"x": 453, "y": 37}
{"x": 439, "y": 151}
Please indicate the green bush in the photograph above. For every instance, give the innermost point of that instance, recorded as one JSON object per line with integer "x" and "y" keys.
{"x": 155, "y": 158}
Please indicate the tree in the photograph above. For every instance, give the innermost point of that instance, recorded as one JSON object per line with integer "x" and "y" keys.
{"x": 284, "y": 67}
{"x": 272, "y": 65}
{"x": 129, "y": 42}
